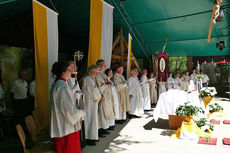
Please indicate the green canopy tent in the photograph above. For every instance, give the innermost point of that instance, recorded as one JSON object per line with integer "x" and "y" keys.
{"x": 186, "y": 23}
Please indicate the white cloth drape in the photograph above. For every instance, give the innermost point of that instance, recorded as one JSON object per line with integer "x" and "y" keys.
{"x": 52, "y": 30}
{"x": 107, "y": 33}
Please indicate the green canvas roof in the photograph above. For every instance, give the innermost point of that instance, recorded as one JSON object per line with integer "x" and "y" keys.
{"x": 185, "y": 22}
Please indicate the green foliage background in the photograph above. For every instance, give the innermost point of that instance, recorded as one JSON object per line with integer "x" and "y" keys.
{"x": 14, "y": 59}
{"x": 224, "y": 73}
{"x": 177, "y": 63}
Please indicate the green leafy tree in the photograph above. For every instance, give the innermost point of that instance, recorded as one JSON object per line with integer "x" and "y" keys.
{"x": 177, "y": 64}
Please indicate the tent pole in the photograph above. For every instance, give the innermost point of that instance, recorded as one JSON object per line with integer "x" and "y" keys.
{"x": 211, "y": 22}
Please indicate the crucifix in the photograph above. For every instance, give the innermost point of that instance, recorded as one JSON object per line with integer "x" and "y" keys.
{"x": 78, "y": 55}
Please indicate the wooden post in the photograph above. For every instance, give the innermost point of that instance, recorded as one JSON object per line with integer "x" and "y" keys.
{"x": 211, "y": 22}
{"x": 189, "y": 63}
{"x": 116, "y": 41}
{"x": 135, "y": 62}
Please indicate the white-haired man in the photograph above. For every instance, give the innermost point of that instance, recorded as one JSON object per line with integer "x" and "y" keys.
{"x": 135, "y": 95}
{"x": 145, "y": 90}
{"x": 92, "y": 96}
{"x": 123, "y": 94}
{"x": 106, "y": 112}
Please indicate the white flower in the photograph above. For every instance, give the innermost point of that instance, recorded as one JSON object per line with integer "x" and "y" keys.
{"x": 205, "y": 127}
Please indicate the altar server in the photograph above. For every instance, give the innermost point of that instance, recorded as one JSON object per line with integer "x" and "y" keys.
{"x": 153, "y": 88}
{"x": 170, "y": 82}
{"x": 77, "y": 93}
{"x": 92, "y": 96}
{"x": 122, "y": 90}
{"x": 63, "y": 111}
{"x": 145, "y": 90}
{"x": 135, "y": 94}
{"x": 73, "y": 83}
{"x": 106, "y": 113}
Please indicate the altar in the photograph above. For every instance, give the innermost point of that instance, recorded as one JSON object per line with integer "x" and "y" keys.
{"x": 170, "y": 100}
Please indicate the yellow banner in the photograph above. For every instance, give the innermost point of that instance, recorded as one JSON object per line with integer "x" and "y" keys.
{"x": 41, "y": 59}
{"x": 94, "y": 52}
{"x": 45, "y": 23}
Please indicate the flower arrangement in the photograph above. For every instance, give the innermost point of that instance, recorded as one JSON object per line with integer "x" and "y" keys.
{"x": 215, "y": 108}
{"x": 208, "y": 91}
{"x": 205, "y": 125}
{"x": 188, "y": 110}
{"x": 199, "y": 76}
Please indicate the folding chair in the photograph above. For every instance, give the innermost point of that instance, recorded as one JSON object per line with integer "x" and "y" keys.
{"x": 34, "y": 132}
{"x": 39, "y": 120}
{"x": 45, "y": 148}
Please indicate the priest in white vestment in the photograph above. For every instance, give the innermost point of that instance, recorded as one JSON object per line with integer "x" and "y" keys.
{"x": 92, "y": 96}
{"x": 135, "y": 93}
{"x": 162, "y": 87}
{"x": 170, "y": 81}
{"x": 183, "y": 82}
{"x": 106, "y": 112}
{"x": 177, "y": 82}
{"x": 139, "y": 85}
{"x": 145, "y": 90}
{"x": 193, "y": 77}
{"x": 153, "y": 88}
{"x": 109, "y": 74}
{"x": 186, "y": 81}
{"x": 122, "y": 91}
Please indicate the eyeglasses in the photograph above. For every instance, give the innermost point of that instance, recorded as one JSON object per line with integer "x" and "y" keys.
{"x": 69, "y": 70}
